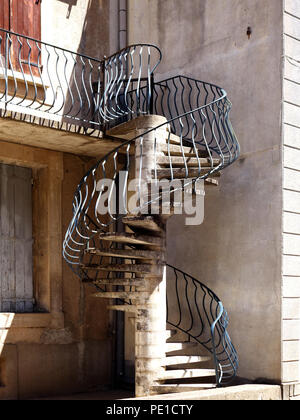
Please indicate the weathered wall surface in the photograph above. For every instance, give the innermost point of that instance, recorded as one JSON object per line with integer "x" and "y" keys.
{"x": 66, "y": 346}
{"x": 291, "y": 198}
{"x": 237, "y": 250}
{"x": 81, "y": 25}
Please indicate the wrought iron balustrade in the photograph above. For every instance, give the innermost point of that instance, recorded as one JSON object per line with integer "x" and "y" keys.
{"x": 197, "y": 311}
{"x": 52, "y": 82}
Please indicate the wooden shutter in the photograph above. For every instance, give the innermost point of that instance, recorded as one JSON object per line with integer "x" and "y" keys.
{"x": 25, "y": 19}
{"x": 4, "y": 14}
{"x": 16, "y": 283}
{"x": 4, "y": 23}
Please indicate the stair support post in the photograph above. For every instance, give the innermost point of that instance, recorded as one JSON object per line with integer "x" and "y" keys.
{"x": 150, "y": 325}
{"x": 150, "y": 336}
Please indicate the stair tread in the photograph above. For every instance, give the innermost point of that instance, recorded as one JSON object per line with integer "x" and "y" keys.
{"x": 121, "y": 295}
{"x": 211, "y": 181}
{"x": 186, "y": 373}
{"x": 170, "y": 347}
{"x": 189, "y": 161}
{"x": 177, "y": 140}
{"x": 128, "y": 268}
{"x": 178, "y": 150}
{"x": 183, "y": 360}
{"x": 126, "y": 253}
{"x": 122, "y": 308}
{"x": 143, "y": 222}
{"x": 117, "y": 281}
{"x": 132, "y": 238}
{"x": 180, "y": 173}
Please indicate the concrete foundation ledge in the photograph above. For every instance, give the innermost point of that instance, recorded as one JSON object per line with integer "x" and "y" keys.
{"x": 241, "y": 392}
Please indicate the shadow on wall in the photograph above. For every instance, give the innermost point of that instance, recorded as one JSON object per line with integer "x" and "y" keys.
{"x": 71, "y": 3}
{"x": 94, "y": 42}
{"x": 95, "y": 34}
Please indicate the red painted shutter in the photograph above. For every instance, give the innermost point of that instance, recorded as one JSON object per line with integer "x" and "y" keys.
{"x": 4, "y": 23}
{"x": 25, "y": 19}
{"x": 4, "y": 14}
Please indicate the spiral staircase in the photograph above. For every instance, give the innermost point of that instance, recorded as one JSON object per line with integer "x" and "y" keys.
{"x": 173, "y": 135}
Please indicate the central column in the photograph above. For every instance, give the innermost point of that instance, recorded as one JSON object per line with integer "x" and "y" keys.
{"x": 150, "y": 323}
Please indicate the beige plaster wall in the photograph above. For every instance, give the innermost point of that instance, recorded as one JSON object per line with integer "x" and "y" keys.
{"x": 81, "y": 25}
{"x": 237, "y": 250}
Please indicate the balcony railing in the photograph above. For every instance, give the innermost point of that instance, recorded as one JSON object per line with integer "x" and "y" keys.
{"x": 47, "y": 81}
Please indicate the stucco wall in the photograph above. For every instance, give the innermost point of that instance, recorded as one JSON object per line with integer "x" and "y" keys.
{"x": 81, "y": 25}
{"x": 237, "y": 250}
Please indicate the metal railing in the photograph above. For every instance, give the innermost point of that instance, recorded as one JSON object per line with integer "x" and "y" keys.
{"x": 198, "y": 312}
{"x": 128, "y": 81}
{"x": 192, "y": 308}
{"x": 209, "y": 133}
{"x": 47, "y": 81}
{"x": 204, "y": 114}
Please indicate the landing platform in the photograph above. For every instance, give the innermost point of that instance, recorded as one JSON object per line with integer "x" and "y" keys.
{"x": 55, "y": 135}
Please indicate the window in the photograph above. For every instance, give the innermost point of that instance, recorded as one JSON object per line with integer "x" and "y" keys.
{"x": 16, "y": 279}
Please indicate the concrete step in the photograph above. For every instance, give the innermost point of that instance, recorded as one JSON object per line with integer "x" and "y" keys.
{"x": 122, "y": 308}
{"x": 175, "y": 347}
{"x": 179, "y": 337}
{"x": 189, "y": 161}
{"x": 121, "y": 295}
{"x": 145, "y": 223}
{"x": 176, "y": 388}
{"x": 154, "y": 270}
{"x": 180, "y": 173}
{"x": 177, "y": 141}
{"x": 211, "y": 182}
{"x": 117, "y": 282}
{"x": 132, "y": 239}
{"x": 173, "y": 139}
{"x": 177, "y": 150}
{"x": 174, "y": 361}
{"x": 186, "y": 373}
{"x": 136, "y": 254}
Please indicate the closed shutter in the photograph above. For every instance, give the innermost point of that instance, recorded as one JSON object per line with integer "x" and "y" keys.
{"x": 16, "y": 282}
{"x": 4, "y": 23}
{"x": 25, "y": 17}
{"x": 22, "y": 17}
{"x": 4, "y": 14}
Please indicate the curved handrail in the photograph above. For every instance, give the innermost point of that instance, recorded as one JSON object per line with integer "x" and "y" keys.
{"x": 126, "y": 73}
{"x": 197, "y": 311}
